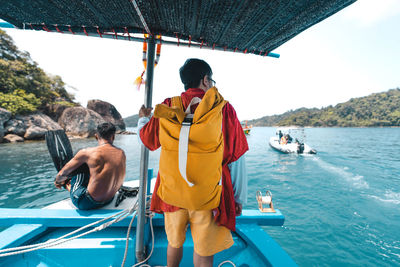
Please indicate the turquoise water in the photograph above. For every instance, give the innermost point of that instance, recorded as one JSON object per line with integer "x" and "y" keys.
{"x": 342, "y": 206}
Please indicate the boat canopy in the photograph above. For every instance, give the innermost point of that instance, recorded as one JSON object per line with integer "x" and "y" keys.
{"x": 252, "y": 26}
{"x": 290, "y": 129}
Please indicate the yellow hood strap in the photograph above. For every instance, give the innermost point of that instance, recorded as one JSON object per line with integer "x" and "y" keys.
{"x": 170, "y": 113}
{"x": 212, "y": 99}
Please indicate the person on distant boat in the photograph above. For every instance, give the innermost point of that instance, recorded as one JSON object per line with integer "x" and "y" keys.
{"x": 204, "y": 189}
{"x": 101, "y": 171}
{"x": 300, "y": 146}
{"x": 284, "y": 139}
{"x": 289, "y": 138}
{"x": 280, "y": 134}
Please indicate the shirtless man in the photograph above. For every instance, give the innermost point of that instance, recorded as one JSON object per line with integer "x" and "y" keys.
{"x": 97, "y": 186}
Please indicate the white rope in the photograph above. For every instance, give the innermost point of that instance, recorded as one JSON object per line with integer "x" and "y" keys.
{"x": 55, "y": 243}
{"x": 227, "y": 261}
{"x": 66, "y": 235}
{"x": 23, "y": 249}
{"x": 141, "y": 16}
{"x": 151, "y": 215}
{"x": 127, "y": 240}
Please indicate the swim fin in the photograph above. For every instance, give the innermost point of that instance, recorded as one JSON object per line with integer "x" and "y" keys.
{"x": 59, "y": 147}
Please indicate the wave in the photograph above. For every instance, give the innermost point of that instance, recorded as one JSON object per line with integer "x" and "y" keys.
{"x": 357, "y": 180}
{"x": 389, "y": 197}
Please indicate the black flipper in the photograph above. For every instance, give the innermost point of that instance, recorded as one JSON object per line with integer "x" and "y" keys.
{"x": 124, "y": 192}
{"x": 59, "y": 147}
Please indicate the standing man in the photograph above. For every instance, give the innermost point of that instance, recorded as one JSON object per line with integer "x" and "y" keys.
{"x": 95, "y": 186}
{"x": 202, "y": 178}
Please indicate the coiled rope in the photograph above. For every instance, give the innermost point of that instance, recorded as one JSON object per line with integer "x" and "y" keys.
{"x": 127, "y": 236}
{"x": 150, "y": 215}
{"x": 24, "y": 249}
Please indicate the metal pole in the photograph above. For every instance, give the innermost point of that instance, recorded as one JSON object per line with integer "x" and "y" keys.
{"x": 144, "y": 160}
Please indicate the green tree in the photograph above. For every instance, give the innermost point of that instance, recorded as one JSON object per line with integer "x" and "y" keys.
{"x": 24, "y": 86}
{"x": 375, "y": 110}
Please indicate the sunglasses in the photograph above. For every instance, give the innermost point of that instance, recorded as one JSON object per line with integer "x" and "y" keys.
{"x": 211, "y": 80}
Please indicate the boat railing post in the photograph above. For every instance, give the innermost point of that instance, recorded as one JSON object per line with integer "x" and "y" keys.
{"x": 144, "y": 160}
{"x": 149, "y": 177}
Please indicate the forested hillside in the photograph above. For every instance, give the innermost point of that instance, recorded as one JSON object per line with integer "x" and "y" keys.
{"x": 375, "y": 110}
{"x": 24, "y": 87}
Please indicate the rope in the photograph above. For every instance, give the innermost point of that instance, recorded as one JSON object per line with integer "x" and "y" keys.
{"x": 139, "y": 80}
{"x": 141, "y": 16}
{"x": 24, "y": 249}
{"x": 227, "y": 261}
{"x": 58, "y": 30}
{"x": 66, "y": 235}
{"x": 127, "y": 240}
{"x": 127, "y": 32}
{"x": 151, "y": 215}
{"x": 51, "y": 244}
{"x": 98, "y": 31}
{"x": 70, "y": 30}
{"x": 84, "y": 30}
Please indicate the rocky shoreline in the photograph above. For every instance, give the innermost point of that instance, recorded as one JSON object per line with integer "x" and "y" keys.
{"x": 77, "y": 122}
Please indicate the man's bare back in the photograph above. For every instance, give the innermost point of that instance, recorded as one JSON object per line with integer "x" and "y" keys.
{"x": 107, "y": 171}
{"x": 106, "y": 164}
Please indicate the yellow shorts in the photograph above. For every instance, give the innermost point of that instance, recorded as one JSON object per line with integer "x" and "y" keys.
{"x": 208, "y": 237}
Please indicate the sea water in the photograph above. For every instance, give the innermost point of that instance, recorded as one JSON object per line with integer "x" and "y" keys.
{"x": 341, "y": 206}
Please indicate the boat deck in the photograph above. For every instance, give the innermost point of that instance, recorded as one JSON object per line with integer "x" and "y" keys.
{"x": 252, "y": 247}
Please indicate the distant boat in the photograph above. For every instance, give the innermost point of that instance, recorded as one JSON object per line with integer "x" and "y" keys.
{"x": 290, "y": 145}
{"x": 247, "y": 128}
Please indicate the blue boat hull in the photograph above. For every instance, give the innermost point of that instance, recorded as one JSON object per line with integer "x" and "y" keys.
{"x": 253, "y": 246}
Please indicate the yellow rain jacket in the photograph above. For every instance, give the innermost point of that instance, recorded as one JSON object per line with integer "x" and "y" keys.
{"x": 200, "y": 187}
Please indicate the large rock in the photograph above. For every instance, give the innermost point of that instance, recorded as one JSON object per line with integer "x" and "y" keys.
{"x": 80, "y": 122}
{"x": 108, "y": 112}
{"x": 15, "y": 127}
{"x": 37, "y": 125}
{"x": 12, "y": 138}
{"x": 55, "y": 111}
{"x": 35, "y": 133}
{"x": 5, "y": 115}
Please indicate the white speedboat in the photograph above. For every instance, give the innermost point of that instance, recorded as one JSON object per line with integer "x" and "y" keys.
{"x": 290, "y": 146}
{"x": 294, "y": 147}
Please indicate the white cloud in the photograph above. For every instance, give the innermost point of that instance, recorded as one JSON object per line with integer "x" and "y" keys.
{"x": 368, "y": 12}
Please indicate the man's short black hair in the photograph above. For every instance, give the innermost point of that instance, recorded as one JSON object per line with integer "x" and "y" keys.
{"x": 106, "y": 130}
{"x": 193, "y": 71}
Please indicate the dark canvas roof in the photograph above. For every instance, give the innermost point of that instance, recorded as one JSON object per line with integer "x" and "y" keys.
{"x": 254, "y": 26}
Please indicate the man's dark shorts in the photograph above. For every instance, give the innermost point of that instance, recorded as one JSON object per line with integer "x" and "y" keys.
{"x": 80, "y": 196}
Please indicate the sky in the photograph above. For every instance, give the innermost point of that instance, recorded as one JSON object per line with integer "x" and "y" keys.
{"x": 351, "y": 54}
